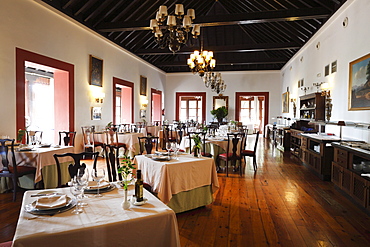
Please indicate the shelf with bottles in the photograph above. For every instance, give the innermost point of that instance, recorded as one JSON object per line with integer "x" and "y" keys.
{"x": 312, "y": 106}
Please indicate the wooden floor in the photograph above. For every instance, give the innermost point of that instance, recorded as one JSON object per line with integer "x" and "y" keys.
{"x": 282, "y": 204}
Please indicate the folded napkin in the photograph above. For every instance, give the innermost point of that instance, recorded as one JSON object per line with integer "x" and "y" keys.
{"x": 93, "y": 185}
{"x": 49, "y": 202}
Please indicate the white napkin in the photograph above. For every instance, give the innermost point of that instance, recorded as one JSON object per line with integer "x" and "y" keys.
{"x": 49, "y": 202}
{"x": 93, "y": 185}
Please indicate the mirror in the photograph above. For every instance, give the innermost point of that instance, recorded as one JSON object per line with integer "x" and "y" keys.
{"x": 219, "y": 101}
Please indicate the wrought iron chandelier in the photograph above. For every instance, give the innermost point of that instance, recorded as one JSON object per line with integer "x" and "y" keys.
{"x": 213, "y": 80}
{"x": 176, "y": 32}
{"x": 201, "y": 62}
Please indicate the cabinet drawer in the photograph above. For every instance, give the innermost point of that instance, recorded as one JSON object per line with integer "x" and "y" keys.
{"x": 341, "y": 157}
{"x": 304, "y": 143}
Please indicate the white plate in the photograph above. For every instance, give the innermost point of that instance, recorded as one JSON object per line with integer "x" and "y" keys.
{"x": 160, "y": 158}
{"x": 104, "y": 185}
{"x": 68, "y": 201}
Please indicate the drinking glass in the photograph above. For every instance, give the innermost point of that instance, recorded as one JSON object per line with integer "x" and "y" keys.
{"x": 82, "y": 179}
{"x": 98, "y": 175}
{"x": 175, "y": 149}
{"x": 76, "y": 190}
{"x": 168, "y": 147}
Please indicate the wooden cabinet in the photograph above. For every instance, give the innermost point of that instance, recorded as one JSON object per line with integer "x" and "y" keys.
{"x": 341, "y": 177}
{"x": 295, "y": 142}
{"x": 282, "y": 138}
{"x": 312, "y": 106}
{"x": 360, "y": 190}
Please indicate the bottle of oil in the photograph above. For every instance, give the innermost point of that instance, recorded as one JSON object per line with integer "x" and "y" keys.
{"x": 139, "y": 187}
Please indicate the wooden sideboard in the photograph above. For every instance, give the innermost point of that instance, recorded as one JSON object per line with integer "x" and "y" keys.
{"x": 346, "y": 178}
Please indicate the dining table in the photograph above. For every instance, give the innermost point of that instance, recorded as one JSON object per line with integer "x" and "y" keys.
{"x": 103, "y": 222}
{"x": 184, "y": 183}
{"x": 41, "y": 157}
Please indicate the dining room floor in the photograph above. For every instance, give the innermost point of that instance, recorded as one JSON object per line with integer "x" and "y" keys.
{"x": 281, "y": 204}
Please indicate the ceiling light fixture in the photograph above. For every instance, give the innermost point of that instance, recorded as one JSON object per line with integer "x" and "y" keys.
{"x": 213, "y": 80}
{"x": 176, "y": 32}
{"x": 201, "y": 62}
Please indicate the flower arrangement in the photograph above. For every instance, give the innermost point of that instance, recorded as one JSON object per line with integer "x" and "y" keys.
{"x": 126, "y": 170}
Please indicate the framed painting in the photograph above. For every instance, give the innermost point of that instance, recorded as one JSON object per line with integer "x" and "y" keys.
{"x": 142, "y": 113}
{"x": 285, "y": 102}
{"x": 359, "y": 84}
{"x": 95, "y": 113}
{"x": 96, "y": 71}
{"x": 143, "y": 82}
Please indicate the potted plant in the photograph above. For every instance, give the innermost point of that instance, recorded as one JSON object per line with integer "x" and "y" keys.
{"x": 219, "y": 113}
{"x": 126, "y": 171}
{"x": 197, "y": 145}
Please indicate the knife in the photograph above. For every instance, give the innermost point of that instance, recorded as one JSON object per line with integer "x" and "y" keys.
{"x": 48, "y": 194}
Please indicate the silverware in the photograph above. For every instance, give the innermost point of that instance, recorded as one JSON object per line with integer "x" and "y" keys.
{"x": 47, "y": 194}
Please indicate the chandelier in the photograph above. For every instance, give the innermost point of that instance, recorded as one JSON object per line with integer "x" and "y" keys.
{"x": 214, "y": 81}
{"x": 176, "y": 32}
{"x": 201, "y": 62}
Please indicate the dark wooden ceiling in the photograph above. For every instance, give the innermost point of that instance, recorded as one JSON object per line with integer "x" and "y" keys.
{"x": 244, "y": 34}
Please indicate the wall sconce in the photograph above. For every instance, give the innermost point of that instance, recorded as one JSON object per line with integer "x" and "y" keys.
{"x": 305, "y": 89}
{"x": 144, "y": 103}
{"x": 317, "y": 85}
{"x": 97, "y": 94}
{"x": 328, "y": 105}
{"x": 294, "y": 100}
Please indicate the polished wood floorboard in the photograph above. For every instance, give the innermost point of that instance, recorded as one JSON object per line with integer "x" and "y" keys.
{"x": 282, "y": 204}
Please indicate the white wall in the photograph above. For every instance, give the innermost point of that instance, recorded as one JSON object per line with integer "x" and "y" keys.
{"x": 243, "y": 81}
{"x": 31, "y": 26}
{"x": 336, "y": 43}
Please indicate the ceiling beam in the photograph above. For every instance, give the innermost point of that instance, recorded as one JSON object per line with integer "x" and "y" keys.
{"x": 223, "y": 49}
{"x": 226, "y": 62}
{"x": 232, "y": 19}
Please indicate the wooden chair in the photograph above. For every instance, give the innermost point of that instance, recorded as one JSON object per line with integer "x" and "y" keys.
{"x": 204, "y": 152}
{"x": 168, "y": 135}
{"x": 181, "y": 131}
{"x": 68, "y": 139}
{"x": 90, "y": 140}
{"x": 76, "y": 165}
{"x": 232, "y": 154}
{"x": 111, "y": 149}
{"x": 33, "y": 137}
{"x": 12, "y": 171}
{"x": 251, "y": 153}
{"x": 146, "y": 144}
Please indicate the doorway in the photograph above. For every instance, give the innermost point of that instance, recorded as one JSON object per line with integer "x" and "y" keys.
{"x": 36, "y": 76}
{"x": 191, "y": 106}
{"x": 251, "y": 108}
{"x": 123, "y": 103}
{"x": 156, "y": 105}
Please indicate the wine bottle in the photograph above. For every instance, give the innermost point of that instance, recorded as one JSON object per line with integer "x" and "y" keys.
{"x": 139, "y": 187}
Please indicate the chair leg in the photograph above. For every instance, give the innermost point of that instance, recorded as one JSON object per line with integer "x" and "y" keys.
{"x": 227, "y": 168}
{"x": 254, "y": 163}
{"x": 15, "y": 186}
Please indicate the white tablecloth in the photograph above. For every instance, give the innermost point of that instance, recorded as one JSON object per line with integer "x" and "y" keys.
{"x": 172, "y": 177}
{"x": 103, "y": 223}
{"x": 41, "y": 157}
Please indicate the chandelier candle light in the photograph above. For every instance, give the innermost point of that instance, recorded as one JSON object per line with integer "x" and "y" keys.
{"x": 214, "y": 81}
{"x": 201, "y": 62}
{"x": 176, "y": 32}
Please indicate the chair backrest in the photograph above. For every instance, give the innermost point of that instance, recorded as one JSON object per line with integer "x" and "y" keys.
{"x": 125, "y": 128}
{"x": 73, "y": 167}
{"x": 112, "y": 162}
{"x": 256, "y": 142}
{"x": 111, "y": 137}
{"x": 146, "y": 144}
{"x": 68, "y": 138}
{"x": 87, "y": 132}
{"x": 34, "y": 137}
{"x": 203, "y": 135}
{"x": 4, "y": 152}
{"x": 181, "y": 131}
{"x": 233, "y": 140}
{"x": 157, "y": 123}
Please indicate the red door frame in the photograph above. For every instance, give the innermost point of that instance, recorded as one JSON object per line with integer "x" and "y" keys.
{"x": 126, "y": 84}
{"x": 155, "y": 91}
{"x": 242, "y": 94}
{"x": 202, "y": 94}
{"x": 21, "y": 57}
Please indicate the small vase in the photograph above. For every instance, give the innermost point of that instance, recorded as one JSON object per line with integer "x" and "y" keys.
{"x": 125, "y": 204}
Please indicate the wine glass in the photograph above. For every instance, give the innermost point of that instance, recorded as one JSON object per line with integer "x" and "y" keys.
{"x": 175, "y": 149}
{"x": 76, "y": 190}
{"x": 98, "y": 175}
{"x": 168, "y": 147}
{"x": 82, "y": 179}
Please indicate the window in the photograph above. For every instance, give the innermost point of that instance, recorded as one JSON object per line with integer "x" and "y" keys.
{"x": 190, "y": 106}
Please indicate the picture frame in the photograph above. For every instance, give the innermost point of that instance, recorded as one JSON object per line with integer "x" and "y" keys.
{"x": 219, "y": 101}
{"x": 326, "y": 72}
{"x": 143, "y": 84}
{"x": 96, "y": 71}
{"x": 142, "y": 113}
{"x": 285, "y": 102}
{"x": 359, "y": 86}
{"x": 96, "y": 113}
{"x": 334, "y": 66}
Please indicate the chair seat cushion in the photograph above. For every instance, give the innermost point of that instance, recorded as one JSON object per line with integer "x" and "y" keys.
{"x": 206, "y": 154}
{"x": 247, "y": 152}
{"x": 98, "y": 144}
{"x": 118, "y": 144}
{"x": 23, "y": 170}
{"x": 226, "y": 155}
